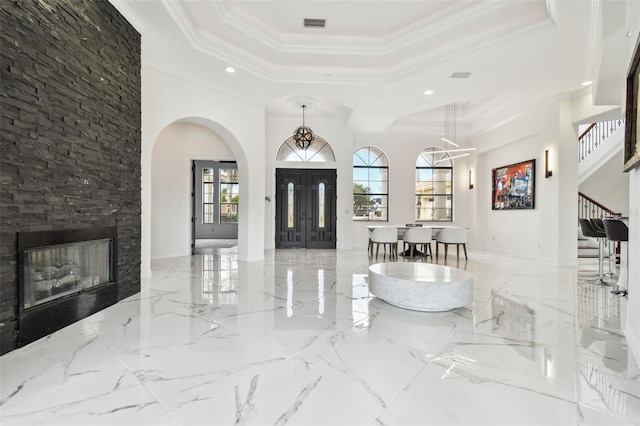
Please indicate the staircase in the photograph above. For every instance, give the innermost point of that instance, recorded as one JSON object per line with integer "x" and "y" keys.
{"x": 588, "y": 208}
{"x": 597, "y": 145}
{"x": 587, "y": 247}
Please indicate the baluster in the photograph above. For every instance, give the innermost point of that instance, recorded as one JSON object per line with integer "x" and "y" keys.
{"x": 597, "y": 134}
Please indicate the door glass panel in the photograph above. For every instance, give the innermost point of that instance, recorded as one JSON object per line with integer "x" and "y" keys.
{"x": 207, "y": 195}
{"x": 290, "y": 205}
{"x": 229, "y": 195}
{"x": 321, "y": 205}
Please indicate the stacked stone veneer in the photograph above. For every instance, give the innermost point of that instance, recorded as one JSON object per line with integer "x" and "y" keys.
{"x": 70, "y": 132}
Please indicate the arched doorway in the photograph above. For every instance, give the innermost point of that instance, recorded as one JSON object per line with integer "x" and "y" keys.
{"x": 172, "y": 186}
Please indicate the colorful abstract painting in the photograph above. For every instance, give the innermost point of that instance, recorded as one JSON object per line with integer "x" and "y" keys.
{"x": 513, "y": 186}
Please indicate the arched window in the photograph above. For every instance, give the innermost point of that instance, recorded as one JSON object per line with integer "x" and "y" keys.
{"x": 319, "y": 151}
{"x": 434, "y": 186}
{"x": 370, "y": 185}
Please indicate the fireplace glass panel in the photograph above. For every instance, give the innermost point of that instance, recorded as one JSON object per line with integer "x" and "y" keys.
{"x": 56, "y": 271}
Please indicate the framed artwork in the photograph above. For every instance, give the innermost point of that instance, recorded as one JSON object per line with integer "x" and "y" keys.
{"x": 632, "y": 129}
{"x": 514, "y": 186}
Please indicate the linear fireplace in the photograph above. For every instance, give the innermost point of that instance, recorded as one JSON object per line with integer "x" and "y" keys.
{"x": 64, "y": 276}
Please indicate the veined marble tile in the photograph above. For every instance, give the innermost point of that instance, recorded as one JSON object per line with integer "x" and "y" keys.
{"x": 298, "y": 339}
{"x": 538, "y": 368}
{"x": 338, "y": 381}
{"x": 444, "y": 396}
{"x": 65, "y": 357}
{"x": 288, "y": 394}
{"x": 108, "y": 398}
{"x": 610, "y": 387}
{"x": 423, "y": 332}
{"x": 525, "y": 321}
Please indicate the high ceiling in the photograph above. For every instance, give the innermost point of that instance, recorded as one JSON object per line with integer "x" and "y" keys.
{"x": 372, "y": 62}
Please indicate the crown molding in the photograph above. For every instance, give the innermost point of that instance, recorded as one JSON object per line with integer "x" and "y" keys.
{"x": 199, "y": 82}
{"x": 402, "y": 70}
{"x": 529, "y": 108}
{"x": 128, "y": 13}
{"x": 375, "y": 46}
{"x": 417, "y": 33}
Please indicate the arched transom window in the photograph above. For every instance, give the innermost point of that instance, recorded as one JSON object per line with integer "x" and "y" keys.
{"x": 370, "y": 185}
{"x": 319, "y": 151}
{"x": 434, "y": 186}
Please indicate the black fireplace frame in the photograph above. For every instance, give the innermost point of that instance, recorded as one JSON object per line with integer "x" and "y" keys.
{"x": 41, "y": 320}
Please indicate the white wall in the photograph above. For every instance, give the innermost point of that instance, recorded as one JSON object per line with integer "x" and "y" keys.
{"x": 402, "y": 153}
{"x": 609, "y": 185}
{"x": 175, "y": 149}
{"x": 353, "y": 234}
{"x": 583, "y": 111}
{"x": 632, "y": 326}
{"x": 167, "y": 99}
{"x": 341, "y": 142}
{"x": 547, "y": 231}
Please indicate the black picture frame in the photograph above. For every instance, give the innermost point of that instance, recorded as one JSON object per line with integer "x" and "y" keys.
{"x": 513, "y": 186}
{"x": 632, "y": 129}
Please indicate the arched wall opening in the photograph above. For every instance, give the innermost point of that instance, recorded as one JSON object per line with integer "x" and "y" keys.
{"x": 168, "y": 99}
{"x": 171, "y": 187}
{"x": 228, "y": 146}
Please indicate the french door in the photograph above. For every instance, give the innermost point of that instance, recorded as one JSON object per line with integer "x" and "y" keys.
{"x": 306, "y": 208}
{"x": 215, "y": 198}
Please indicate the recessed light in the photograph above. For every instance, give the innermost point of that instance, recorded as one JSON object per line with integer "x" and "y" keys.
{"x": 230, "y": 70}
{"x": 586, "y": 83}
{"x": 428, "y": 92}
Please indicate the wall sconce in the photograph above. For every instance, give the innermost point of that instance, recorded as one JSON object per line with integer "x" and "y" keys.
{"x": 547, "y": 171}
{"x": 470, "y": 180}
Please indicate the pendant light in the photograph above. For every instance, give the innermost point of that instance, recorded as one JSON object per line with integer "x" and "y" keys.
{"x": 450, "y": 124}
{"x": 303, "y": 135}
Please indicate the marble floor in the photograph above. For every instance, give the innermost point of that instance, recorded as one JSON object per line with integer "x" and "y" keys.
{"x": 214, "y": 246}
{"x": 298, "y": 340}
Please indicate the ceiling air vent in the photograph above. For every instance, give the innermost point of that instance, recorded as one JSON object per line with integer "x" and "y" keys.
{"x": 460, "y": 75}
{"x": 314, "y": 23}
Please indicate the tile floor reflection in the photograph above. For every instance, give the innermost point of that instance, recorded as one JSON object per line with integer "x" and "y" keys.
{"x": 298, "y": 339}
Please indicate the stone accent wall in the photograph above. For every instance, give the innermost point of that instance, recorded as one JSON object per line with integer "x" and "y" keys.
{"x": 70, "y": 132}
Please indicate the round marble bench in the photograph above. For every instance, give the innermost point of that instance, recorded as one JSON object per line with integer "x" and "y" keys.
{"x": 421, "y": 286}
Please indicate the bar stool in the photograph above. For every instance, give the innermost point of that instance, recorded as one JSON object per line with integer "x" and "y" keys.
{"x": 589, "y": 230}
{"x": 599, "y": 225}
{"x": 617, "y": 230}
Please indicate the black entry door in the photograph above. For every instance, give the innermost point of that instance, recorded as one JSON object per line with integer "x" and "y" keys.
{"x": 306, "y": 208}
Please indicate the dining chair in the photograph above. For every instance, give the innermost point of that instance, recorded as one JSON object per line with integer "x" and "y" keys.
{"x": 418, "y": 236}
{"x": 385, "y": 235}
{"x": 447, "y": 236}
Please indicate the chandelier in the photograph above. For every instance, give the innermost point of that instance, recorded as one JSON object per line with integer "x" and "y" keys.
{"x": 450, "y": 124}
{"x": 303, "y": 135}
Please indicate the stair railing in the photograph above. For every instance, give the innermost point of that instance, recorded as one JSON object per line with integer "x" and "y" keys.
{"x": 595, "y": 134}
{"x": 588, "y": 208}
